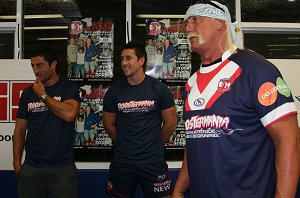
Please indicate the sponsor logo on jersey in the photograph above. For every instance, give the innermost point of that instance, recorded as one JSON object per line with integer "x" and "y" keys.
{"x": 199, "y": 102}
{"x": 224, "y": 85}
{"x": 282, "y": 87}
{"x": 208, "y": 121}
{"x": 267, "y": 94}
{"x": 208, "y": 126}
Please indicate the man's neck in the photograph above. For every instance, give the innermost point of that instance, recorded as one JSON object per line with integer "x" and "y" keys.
{"x": 209, "y": 57}
{"x": 51, "y": 81}
{"x": 136, "y": 79}
{"x": 212, "y": 63}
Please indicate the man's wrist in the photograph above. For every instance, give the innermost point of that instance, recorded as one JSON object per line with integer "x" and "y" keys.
{"x": 43, "y": 97}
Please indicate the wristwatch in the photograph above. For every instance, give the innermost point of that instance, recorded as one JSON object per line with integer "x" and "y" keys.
{"x": 43, "y": 97}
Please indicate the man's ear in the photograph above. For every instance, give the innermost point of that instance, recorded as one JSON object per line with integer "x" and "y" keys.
{"x": 142, "y": 60}
{"x": 54, "y": 63}
{"x": 220, "y": 24}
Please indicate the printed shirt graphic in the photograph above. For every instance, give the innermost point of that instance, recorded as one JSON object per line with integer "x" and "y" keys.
{"x": 227, "y": 107}
{"x": 138, "y": 109}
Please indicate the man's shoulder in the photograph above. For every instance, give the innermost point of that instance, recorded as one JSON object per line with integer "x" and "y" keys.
{"x": 248, "y": 56}
{"x": 250, "y": 60}
{"x": 116, "y": 85}
{"x": 157, "y": 85}
{"x": 66, "y": 81}
{"x": 28, "y": 89}
{"x": 152, "y": 79}
{"x": 118, "y": 82}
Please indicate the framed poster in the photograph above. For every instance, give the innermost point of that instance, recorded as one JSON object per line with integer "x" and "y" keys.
{"x": 89, "y": 131}
{"x": 168, "y": 55}
{"x": 91, "y": 142}
{"x": 90, "y": 48}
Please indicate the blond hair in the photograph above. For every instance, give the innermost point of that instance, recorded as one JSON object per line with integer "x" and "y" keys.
{"x": 229, "y": 41}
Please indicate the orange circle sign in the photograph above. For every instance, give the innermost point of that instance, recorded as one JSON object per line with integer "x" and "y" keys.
{"x": 267, "y": 94}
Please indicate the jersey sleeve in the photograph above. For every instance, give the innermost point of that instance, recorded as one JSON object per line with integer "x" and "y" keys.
{"x": 22, "y": 110}
{"x": 272, "y": 97}
{"x": 166, "y": 98}
{"x": 109, "y": 104}
{"x": 72, "y": 91}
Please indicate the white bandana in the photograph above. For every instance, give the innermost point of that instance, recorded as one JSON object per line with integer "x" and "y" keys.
{"x": 211, "y": 11}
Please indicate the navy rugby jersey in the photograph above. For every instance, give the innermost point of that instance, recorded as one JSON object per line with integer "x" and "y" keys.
{"x": 227, "y": 107}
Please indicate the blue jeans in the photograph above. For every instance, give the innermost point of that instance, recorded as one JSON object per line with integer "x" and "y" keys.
{"x": 80, "y": 70}
{"x": 79, "y": 138}
{"x": 159, "y": 71}
{"x": 71, "y": 70}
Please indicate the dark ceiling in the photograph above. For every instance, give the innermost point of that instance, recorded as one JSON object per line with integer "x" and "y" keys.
{"x": 286, "y": 11}
{"x": 252, "y": 10}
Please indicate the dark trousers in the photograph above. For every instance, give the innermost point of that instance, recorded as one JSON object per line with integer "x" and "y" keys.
{"x": 58, "y": 182}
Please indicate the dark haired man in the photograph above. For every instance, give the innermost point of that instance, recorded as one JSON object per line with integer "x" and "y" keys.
{"x": 139, "y": 114}
{"x": 47, "y": 110}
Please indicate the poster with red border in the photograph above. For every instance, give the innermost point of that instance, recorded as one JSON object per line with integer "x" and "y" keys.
{"x": 168, "y": 55}
{"x": 90, "y": 48}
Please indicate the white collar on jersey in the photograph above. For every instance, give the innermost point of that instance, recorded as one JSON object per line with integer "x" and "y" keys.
{"x": 214, "y": 66}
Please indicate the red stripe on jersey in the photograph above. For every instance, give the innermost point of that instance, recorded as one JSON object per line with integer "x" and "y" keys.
{"x": 186, "y": 105}
{"x": 187, "y": 87}
{"x": 202, "y": 82}
{"x": 214, "y": 98}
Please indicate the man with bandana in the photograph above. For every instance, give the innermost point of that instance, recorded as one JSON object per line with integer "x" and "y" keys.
{"x": 240, "y": 117}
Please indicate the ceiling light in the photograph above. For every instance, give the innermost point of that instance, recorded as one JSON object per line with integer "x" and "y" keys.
{"x": 276, "y": 49}
{"x": 161, "y": 16}
{"x": 39, "y": 16}
{"x": 52, "y": 39}
{"x": 46, "y": 28}
{"x": 284, "y": 45}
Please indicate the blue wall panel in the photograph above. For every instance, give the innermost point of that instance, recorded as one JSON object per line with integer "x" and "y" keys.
{"x": 92, "y": 184}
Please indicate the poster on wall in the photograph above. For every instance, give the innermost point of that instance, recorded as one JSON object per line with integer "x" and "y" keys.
{"x": 90, "y": 48}
{"x": 177, "y": 138}
{"x": 89, "y": 131}
{"x": 168, "y": 55}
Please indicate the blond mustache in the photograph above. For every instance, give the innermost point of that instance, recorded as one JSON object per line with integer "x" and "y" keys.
{"x": 192, "y": 35}
{"x": 200, "y": 40}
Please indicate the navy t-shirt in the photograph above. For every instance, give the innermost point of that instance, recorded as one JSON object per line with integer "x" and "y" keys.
{"x": 138, "y": 113}
{"x": 49, "y": 140}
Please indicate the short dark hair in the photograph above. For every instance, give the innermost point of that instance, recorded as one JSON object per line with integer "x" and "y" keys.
{"x": 138, "y": 48}
{"x": 48, "y": 54}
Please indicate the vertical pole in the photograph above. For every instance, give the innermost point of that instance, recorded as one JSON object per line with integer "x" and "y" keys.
{"x": 19, "y": 30}
{"x": 128, "y": 20}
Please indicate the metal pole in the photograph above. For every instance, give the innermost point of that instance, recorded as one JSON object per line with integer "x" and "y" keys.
{"x": 19, "y": 33}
